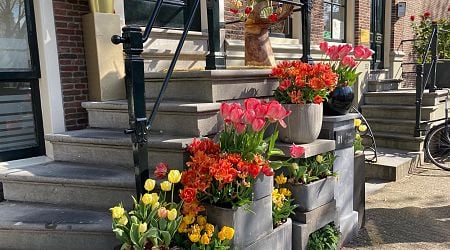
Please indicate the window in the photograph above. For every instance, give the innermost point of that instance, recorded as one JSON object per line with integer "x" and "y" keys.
{"x": 282, "y": 29}
{"x": 334, "y": 20}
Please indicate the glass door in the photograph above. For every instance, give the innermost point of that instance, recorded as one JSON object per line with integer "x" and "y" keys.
{"x": 21, "y": 133}
{"x": 377, "y": 33}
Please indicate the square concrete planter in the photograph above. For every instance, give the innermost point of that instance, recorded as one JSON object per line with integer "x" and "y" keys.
{"x": 279, "y": 239}
{"x": 249, "y": 226}
{"x": 262, "y": 187}
{"x": 314, "y": 194}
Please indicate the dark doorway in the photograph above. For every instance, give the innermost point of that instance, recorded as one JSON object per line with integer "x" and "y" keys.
{"x": 21, "y": 132}
{"x": 377, "y": 33}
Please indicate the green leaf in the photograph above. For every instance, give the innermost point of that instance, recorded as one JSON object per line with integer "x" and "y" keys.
{"x": 277, "y": 152}
{"x": 166, "y": 237}
{"x": 276, "y": 164}
{"x": 121, "y": 235}
{"x": 162, "y": 224}
{"x": 134, "y": 234}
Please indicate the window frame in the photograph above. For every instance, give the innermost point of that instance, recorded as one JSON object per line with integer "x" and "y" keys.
{"x": 343, "y": 6}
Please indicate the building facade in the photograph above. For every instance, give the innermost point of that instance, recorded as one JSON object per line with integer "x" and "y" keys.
{"x": 44, "y": 76}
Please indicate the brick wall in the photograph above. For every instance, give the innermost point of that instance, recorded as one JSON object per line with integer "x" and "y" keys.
{"x": 362, "y": 18}
{"x": 236, "y": 30}
{"x": 72, "y": 62}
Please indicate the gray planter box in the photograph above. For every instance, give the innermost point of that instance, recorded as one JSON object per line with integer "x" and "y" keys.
{"x": 442, "y": 73}
{"x": 279, "y": 239}
{"x": 359, "y": 188}
{"x": 249, "y": 226}
{"x": 313, "y": 195}
{"x": 263, "y": 186}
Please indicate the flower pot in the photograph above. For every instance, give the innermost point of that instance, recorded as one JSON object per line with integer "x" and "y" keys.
{"x": 258, "y": 49}
{"x": 249, "y": 226}
{"x": 339, "y": 101}
{"x": 313, "y": 195}
{"x": 304, "y": 124}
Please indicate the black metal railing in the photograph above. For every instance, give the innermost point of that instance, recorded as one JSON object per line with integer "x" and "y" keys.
{"x": 133, "y": 39}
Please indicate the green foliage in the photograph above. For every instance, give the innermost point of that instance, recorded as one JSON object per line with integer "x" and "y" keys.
{"x": 347, "y": 76}
{"x": 326, "y": 238}
{"x": 423, "y": 30}
{"x": 310, "y": 169}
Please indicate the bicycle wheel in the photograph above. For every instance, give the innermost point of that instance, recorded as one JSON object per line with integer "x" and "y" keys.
{"x": 437, "y": 146}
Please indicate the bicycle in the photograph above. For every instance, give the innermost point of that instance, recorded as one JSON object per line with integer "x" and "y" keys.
{"x": 437, "y": 142}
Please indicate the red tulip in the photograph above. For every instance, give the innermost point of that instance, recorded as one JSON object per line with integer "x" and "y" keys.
{"x": 296, "y": 151}
{"x": 161, "y": 170}
{"x": 427, "y": 14}
{"x": 285, "y": 84}
{"x": 234, "y": 11}
{"x": 344, "y": 50}
{"x": 349, "y": 61}
{"x": 317, "y": 99}
{"x": 248, "y": 9}
{"x": 412, "y": 18}
{"x": 236, "y": 114}
{"x": 276, "y": 112}
{"x": 324, "y": 47}
{"x": 249, "y": 116}
{"x": 240, "y": 127}
{"x": 258, "y": 124}
{"x": 273, "y": 17}
{"x": 251, "y": 103}
{"x": 359, "y": 52}
{"x": 368, "y": 53}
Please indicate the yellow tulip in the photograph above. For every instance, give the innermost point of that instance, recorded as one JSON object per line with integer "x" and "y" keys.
{"x": 209, "y": 228}
{"x": 362, "y": 128}
{"x": 319, "y": 158}
{"x": 172, "y": 214}
{"x": 285, "y": 192}
{"x": 205, "y": 239}
{"x": 166, "y": 186}
{"x": 149, "y": 184}
{"x": 182, "y": 228}
{"x": 280, "y": 179}
{"x": 155, "y": 205}
{"x": 117, "y": 212}
{"x": 147, "y": 199}
{"x": 357, "y": 122}
{"x": 357, "y": 136}
{"x": 226, "y": 233}
{"x": 142, "y": 227}
{"x": 188, "y": 219}
{"x": 174, "y": 176}
{"x": 123, "y": 221}
{"x": 201, "y": 220}
{"x": 195, "y": 237}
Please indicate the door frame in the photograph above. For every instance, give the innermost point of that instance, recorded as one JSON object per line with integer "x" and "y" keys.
{"x": 382, "y": 63}
{"x": 32, "y": 76}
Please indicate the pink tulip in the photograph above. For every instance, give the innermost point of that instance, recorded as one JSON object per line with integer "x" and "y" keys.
{"x": 236, "y": 114}
{"x": 349, "y": 61}
{"x": 296, "y": 151}
{"x": 240, "y": 127}
{"x": 249, "y": 116}
{"x": 162, "y": 212}
{"x": 368, "y": 53}
{"x": 251, "y": 103}
{"x": 359, "y": 52}
{"x": 258, "y": 124}
{"x": 324, "y": 47}
{"x": 261, "y": 110}
{"x": 344, "y": 50}
{"x": 276, "y": 112}
{"x": 225, "y": 111}
{"x": 332, "y": 52}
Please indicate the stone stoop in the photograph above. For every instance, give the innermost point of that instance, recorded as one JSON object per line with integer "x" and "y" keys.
{"x": 383, "y": 84}
{"x": 392, "y": 164}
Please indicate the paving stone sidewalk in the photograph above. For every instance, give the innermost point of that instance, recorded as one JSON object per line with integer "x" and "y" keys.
{"x": 413, "y": 213}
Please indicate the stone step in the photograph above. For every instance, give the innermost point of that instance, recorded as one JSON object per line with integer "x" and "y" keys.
{"x": 69, "y": 184}
{"x": 392, "y": 164}
{"x": 177, "y": 118}
{"x": 397, "y": 141}
{"x": 405, "y": 127}
{"x": 378, "y": 74}
{"x": 212, "y": 85}
{"x": 404, "y": 97}
{"x": 25, "y": 226}
{"x": 402, "y": 112}
{"x": 112, "y": 148}
{"x": 383, "y": 85}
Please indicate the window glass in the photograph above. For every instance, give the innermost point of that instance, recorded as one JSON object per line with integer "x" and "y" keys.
{"x": 14, "y": 48}
{"x": 334, "y": 20}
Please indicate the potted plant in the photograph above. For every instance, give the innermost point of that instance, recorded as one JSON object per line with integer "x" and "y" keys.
{"x": 221, "y": 177}
{"x": 325, "y": 238}
{"x": 302, "y": 89}
{"x": 340, "y": 99}
{"x": 311, "y": 179}
{"x": 422, "y": 32}
{"x": 258, "y": 16}
{"x": 283, "y": 205}
{"x": 154, "y": 219}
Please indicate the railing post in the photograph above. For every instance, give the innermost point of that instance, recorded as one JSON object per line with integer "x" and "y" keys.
{"x": 434, "y": 56}
{"x": 135, "y": 91}
{"x": 419, "y": 91}
{"x": 306, "y": 30}
{"x": 216, "y": 56}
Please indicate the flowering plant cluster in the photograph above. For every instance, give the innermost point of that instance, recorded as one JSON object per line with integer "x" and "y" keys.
{"x": 302, "y": 82}
{"x": 359, "y": 129}
{"x": 223, "y": 174}
{"x": 153, "y": 221}
{"x": 344, "y": 64}
{"x": 264, "y": 10}
{"x": 423, "y": 30}
{"x": 307, "y": 170}
{"x": 196, "y": 233}
{"x": 283, "y": 205}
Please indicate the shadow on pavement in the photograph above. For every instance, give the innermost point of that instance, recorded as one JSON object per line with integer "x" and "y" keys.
{"x": 404, "y": 225}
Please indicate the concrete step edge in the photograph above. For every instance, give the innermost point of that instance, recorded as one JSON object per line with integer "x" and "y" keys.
{"x": 398, "y": 137}
{"x": 72, "y": 174}
{"x": 412, "y": 93}
{"x": 397, "y": 107}
{"x": 390, "y": 121}
{"x": 173, "y": 107}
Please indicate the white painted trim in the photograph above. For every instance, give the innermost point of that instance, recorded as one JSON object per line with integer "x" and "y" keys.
{"x": 50, "y": 82}
{"x": 387, "y": 35}
{"x": 350, "y": 22}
